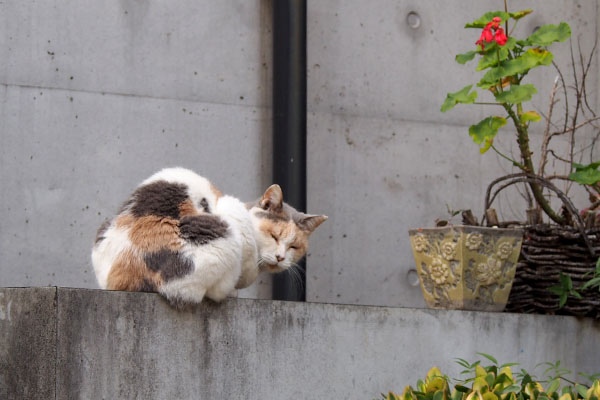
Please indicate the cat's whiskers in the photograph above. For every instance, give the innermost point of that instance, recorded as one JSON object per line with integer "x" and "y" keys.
{"x": 295, "y": 272}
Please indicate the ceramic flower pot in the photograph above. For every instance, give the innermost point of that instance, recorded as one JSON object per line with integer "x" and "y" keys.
{"x": 466, "y": 267}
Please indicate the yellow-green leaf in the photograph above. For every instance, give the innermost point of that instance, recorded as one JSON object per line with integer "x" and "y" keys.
{"x": 433, "y": 373}
{"x": 486, "y": 130}
{"x": 479, "y": 370}
{"x": 530, "y": 116}
{"x": 479, "y": 384}
{"x": 520, "y": 14}
{"x": 489, "y": 396}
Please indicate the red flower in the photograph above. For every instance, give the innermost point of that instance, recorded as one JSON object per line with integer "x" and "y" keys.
{"x": 488, "y": 36}
{"x": 496, "y": 22}
{"x": 500, "y": 37}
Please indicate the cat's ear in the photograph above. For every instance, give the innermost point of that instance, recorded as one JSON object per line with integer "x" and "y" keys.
{"x": 272, "y": 200}
{"x": 309, "y": 223}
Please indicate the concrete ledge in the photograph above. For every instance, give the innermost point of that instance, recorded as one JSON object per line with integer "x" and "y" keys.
{"x": 91, "y": 344}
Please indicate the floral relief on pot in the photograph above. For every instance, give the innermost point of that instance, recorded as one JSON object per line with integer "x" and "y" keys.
{"x": 466, "y": 267}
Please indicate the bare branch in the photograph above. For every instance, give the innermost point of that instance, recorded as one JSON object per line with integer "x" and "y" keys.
{"x": 574, "y": 128}
{"x": 547, "y": 135}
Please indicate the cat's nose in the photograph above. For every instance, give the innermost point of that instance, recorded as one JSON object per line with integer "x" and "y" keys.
{"x": 279, "y": 258}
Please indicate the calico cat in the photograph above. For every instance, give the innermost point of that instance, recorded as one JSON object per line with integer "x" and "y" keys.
{"x": 181, "y": 237}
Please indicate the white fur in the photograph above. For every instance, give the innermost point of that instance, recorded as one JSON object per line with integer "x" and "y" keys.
{"x": 223, "y": 263}
{"x": 105, "y": 252}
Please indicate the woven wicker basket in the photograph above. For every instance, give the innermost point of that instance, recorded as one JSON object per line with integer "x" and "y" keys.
{"x": 548, "y": 250}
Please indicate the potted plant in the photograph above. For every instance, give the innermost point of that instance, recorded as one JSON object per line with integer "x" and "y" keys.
{"x": 507, "y": 61}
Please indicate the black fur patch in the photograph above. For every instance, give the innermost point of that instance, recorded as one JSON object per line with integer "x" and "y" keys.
{"x": 159, "y": 198}
{"x": 102, "y": 230}
{"x": 204, "y": 205}
{"x": 201, "y": 229}
{"x": 169, "y": 263}
{"x": 126, "y": 206}
{"x": 147, "y": 286}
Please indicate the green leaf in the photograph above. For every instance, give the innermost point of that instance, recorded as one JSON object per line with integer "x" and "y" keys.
{"x": 519, "y": 65}
{"x": 586, "y": 174}
{"x": 563, "y": 300}
{"x": 548, "y": 34}
{"x": 492, "y": 359}
{"x": 530, "y": 116}
{"x": 486, "y": 18}
{"x": 520, "y": 14}
{"x": 511, "y": 389}
{"x": 464, "y": 57}
{"x": 591, "y": 283}
{"x": 557, "y": 290}
{"x": 456, "y": 395}
{"x": 439, "y": 395}
{"x": 516, "y": 94}
{"x": 462, "y": 389}
{"x": 462, "y": 96}
{"x": 492, "y": 58}
{"x": 489, "y": 378}
{"x": 566, "y": 281}
{"x": 486, "y": 130}
{"x": 593, "y": 165}
{"x": 582, "y": 390}
{"x": 554, "y": 384}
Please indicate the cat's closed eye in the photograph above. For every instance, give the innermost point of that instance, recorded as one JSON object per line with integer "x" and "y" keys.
{"x": 274, "y": 237}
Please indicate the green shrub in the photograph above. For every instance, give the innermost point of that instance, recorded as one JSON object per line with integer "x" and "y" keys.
{"x": 498, "y": 382}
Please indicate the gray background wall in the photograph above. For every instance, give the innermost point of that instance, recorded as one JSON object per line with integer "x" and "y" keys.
{"x": 96, "y": 96}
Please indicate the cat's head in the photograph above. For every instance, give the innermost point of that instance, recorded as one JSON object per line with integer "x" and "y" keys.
{"x": 281, "y": 231}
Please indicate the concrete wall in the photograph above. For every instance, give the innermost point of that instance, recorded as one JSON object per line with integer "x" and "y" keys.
{"x": 91, "y": 344}
{"x": 96, "y": 96}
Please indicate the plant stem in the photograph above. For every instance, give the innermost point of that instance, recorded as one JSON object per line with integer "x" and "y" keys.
{"x": 527, "y": 166}
{"x": 515, "y": 163}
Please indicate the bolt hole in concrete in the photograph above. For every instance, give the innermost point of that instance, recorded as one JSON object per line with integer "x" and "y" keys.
{"x": 412, "y": 277}
{"x": 413, "y": 20}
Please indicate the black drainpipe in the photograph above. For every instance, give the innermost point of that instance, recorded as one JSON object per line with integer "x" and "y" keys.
{"x": 289, "y": 122}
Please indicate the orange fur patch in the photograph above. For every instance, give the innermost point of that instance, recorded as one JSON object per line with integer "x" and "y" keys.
{"x": 216, "y": 191}
{"x": 129, "y": 272}
{"x": 125, "y": 221}
{"x": 187, "y": 208}
{"x": 152, "y": 233}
